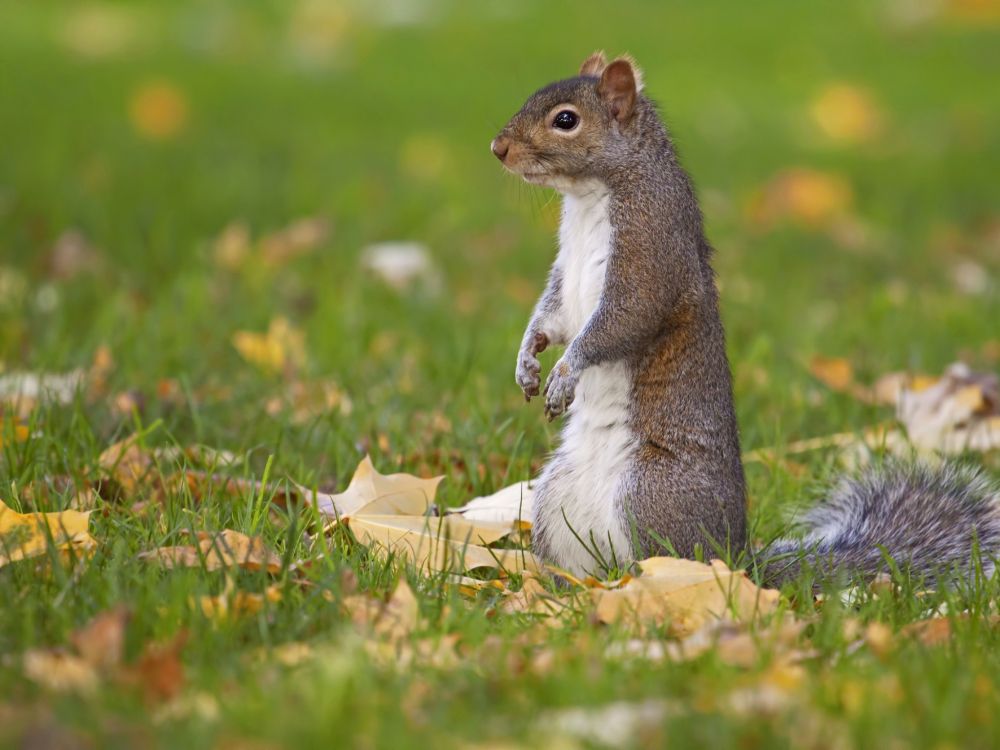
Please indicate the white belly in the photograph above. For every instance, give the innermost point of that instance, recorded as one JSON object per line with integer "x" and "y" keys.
{"x": 576, "y": 492}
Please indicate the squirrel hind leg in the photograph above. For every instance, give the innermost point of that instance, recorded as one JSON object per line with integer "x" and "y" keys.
{"x": 671, "y": 509}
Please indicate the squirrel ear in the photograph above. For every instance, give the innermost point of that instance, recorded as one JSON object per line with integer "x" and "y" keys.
{"x": 594, "y": 65}
{"x": 620, "y": 84}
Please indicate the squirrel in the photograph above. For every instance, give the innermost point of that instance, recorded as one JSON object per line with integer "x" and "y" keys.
{"x": 649, "y": 456}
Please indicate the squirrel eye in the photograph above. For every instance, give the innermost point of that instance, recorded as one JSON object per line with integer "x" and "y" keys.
{"x": 566, "y": 120}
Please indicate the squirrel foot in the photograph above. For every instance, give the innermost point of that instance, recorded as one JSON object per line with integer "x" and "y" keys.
{"x": 560, "y": 388}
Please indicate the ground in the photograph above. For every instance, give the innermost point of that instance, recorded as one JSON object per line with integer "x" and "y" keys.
{"x": 845, "y": 156}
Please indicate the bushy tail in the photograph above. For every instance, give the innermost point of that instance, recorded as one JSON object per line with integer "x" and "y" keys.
{"x": 928, "y": 520}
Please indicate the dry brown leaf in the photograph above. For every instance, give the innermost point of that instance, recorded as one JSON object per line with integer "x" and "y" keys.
{"x": 24, "y": 535}
{"x": 225, "y": 549}
{"x": 101, "y": 642}
{"x": 684, "y": 595}
{"x": 300, "y": 237}
{"x": 129, "y": 465}
{"x": 232, "y": 247}
{"x": 532, "y": 599}
{"x": 159, "y": 672}
{"x": 59, "y": 671}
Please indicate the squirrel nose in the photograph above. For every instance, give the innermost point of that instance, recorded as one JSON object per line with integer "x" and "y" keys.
{"x": 500, "y": 147}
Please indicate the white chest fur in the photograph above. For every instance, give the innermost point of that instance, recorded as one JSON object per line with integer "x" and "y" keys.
{"x": 577, "y": 490}
{"x": 584, "y": 245}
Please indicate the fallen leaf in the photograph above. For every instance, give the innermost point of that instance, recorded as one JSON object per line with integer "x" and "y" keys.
{"x": 683, "y": 595}
{"x": 59, "y": 671}
{"x": 17, "y": 430}
{"x": 401, "y": 265}
{"x": 159, "y": 672}
{"x": 233, "y": 602}
{"x": 129, "y": 465}
{"x": 298, "y": 238}
{"x": 25, "y": 535}
{"x": 101, "y": 642}
{"x": 378, "y": 493}
{"x": 428, "y": 543}
{"x": 961, "y": 411}
{"x": 512, "y": 504}
{"x": 72, "y": 255}
{"x": 834, "y": 372}
{"x": 620, "y": 724}
{"x": 232, "y": 247}
{"x": 22, "y": 392}
{"x": 804, "y": 196}
{"x": 158, "y": 110}
{"x": 310, "y": 399}
{"x": 280, "y": 350}
{"x": 846, "y": 113}
{"x": 222, "y": 550}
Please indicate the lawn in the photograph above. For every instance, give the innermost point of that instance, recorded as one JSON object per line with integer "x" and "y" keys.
{"x": 178, "y": 179}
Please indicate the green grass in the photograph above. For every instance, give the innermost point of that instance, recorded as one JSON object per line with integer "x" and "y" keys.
{"x": 383, "y": 128}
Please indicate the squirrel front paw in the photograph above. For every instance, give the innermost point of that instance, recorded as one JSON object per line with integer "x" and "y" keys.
{"x": 528, "y": 373}
{"x": 560, "y": 388}
{"x": 529, "y": 369}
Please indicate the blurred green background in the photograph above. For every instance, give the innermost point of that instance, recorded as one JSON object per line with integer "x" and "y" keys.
{"x": 845, "y": 154}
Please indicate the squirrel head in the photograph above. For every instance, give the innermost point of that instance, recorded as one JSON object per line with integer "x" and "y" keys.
{"x": 577, "y": 128}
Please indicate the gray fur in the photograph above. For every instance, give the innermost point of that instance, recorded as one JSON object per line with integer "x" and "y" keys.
{"x": 658, "y": 314}
{"x": 927, "y": 520}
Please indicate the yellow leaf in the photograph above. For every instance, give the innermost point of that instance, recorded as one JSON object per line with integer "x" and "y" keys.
{"x": 158, "y": 110}
{"x": 235, "y": 603}
{"x": 24, "y": 535}
{"x": 684, "y": 595}
{"x": 283, "y": 347}
{"x": 18, "y": 431}
{"x": 835, "y": 372}
{"x": 846, "y": 113}
{"x": 374, "y": 493}
{"x": 59, "y": 671}
{"x": 388, "y": 512}
{"x": 426, "y": 543}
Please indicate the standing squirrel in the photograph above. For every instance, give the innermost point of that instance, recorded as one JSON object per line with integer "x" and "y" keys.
{"x": 649, "y": 458}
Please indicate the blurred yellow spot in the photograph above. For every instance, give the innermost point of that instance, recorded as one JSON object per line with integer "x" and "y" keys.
{"x": 984, "y": 12}
{"x": 158, "y": 110}
{"x": 19, "y": 432}
{"x": 281, "y": 348}
{"x": 835, "y": 372}
{"x": 424, "y": 157}
{"x": 847, "y": 113}
{"x": 805, "y": 196}
{"x": 99, "y": 30}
